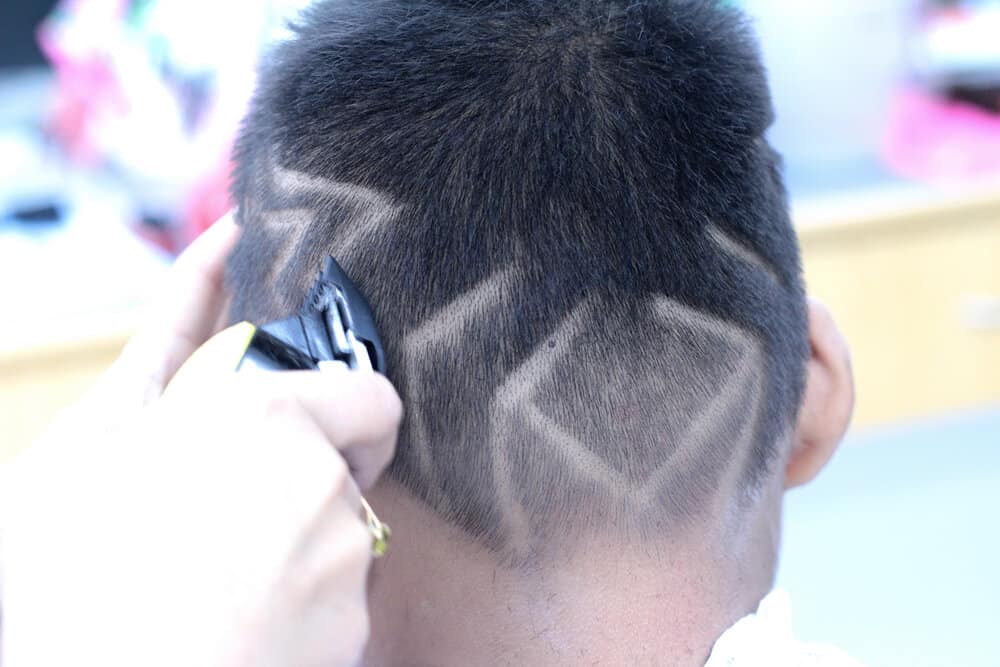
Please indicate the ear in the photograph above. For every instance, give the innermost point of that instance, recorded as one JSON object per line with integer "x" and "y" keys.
{"x": 828, "y": 401}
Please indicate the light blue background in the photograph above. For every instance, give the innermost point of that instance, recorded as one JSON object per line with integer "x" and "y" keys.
{"x": 893, "y": 553}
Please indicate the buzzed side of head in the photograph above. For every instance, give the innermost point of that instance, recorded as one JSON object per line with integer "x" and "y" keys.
{"x": 574, "y": 238}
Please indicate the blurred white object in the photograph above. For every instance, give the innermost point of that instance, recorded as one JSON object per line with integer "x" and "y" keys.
{"x": 980, "y": 312}
{"x": 155, "y": 91}
{"x": 72, "y": 280}
{"x": 27, "y": 178}
{"x": 961, "y": 45}
{"x": 765, "y": 639}
{"x": 833, "y": 67}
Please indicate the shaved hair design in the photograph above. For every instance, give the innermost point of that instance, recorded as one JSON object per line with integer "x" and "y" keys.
{"x": 574, "y": 238}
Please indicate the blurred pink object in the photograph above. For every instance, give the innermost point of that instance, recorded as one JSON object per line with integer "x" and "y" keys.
{"x": 151, "y": 92}
{"x": 88, "y": 91}
{"x": 938, "y": 141}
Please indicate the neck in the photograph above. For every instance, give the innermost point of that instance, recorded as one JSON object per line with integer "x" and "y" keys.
{"x": 440, "y": 599}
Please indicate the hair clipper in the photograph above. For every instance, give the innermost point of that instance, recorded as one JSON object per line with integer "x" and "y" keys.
{"x": 334, "y": 327}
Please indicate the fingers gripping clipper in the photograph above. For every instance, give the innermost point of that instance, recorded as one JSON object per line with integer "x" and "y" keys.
{"x": 334, "y": 328}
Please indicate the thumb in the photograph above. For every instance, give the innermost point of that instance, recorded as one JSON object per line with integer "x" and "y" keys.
{"x": 184, "y": 316}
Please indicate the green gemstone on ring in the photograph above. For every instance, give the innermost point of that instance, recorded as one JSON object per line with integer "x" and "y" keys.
{"x": 381, "y": 540}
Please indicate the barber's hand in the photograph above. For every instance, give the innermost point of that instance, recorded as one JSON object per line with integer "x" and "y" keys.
{"x": 218, "y": 524}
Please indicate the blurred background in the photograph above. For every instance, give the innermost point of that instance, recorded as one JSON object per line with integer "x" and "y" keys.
{"x": 116, "y": 121}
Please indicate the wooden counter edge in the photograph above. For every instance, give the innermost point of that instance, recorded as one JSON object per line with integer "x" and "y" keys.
{"x": 885, "y": 210}
{"x": 102, "y": 333}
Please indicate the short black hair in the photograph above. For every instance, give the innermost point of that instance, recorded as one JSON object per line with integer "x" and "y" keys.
{"x": 574, "y": 237}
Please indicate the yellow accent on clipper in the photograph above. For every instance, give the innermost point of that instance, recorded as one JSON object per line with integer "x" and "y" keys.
{"x": 221, "y": 353}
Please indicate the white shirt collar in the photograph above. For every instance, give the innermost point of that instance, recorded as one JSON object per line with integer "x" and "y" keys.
{"x": 765, "y": 639}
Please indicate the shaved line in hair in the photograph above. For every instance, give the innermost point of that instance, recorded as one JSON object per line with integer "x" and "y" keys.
{"x": 748, "y": 380}
{"x": 510, "y": 397}
{"x": 367, "y": 214}
{"x": 293, "y": 182}
{"x": 701, "y": 435}
{"x": 444, "y": 327}
{"x": 516, "y": 398}
{"x": 288, "y": 227}
{"x": 740, "y": 251}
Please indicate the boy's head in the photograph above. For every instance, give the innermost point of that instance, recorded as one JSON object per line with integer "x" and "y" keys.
{"x": 575, "y": 241}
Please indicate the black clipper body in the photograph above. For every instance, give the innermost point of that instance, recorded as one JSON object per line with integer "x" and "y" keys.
{"x": 334, "y": 326}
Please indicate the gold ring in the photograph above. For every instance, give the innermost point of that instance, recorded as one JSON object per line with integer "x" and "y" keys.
{"x": 380, "y": 531}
